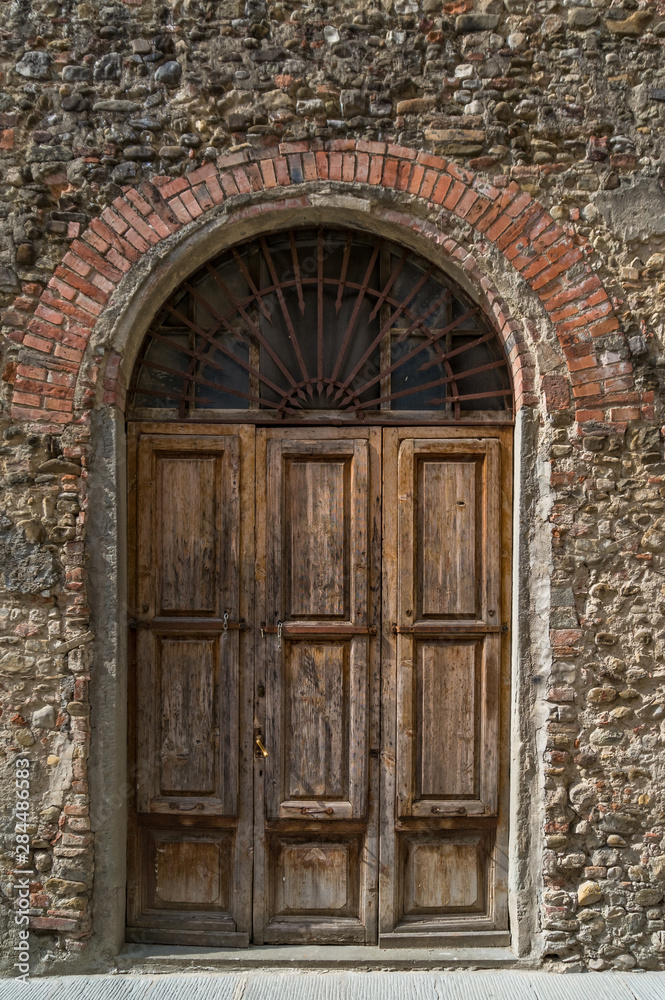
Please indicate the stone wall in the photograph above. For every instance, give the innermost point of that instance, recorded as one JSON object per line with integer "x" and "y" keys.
{"x": 522, "y": 139}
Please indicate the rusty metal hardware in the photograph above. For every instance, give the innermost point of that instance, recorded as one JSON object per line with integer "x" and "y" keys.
{"x": 425, "y": 628}
{"x": 190, "y": 624}
{"x": 310, "y": 810}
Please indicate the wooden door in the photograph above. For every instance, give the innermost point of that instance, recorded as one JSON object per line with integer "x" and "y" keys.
{"x": 337, "y": 599}
{"x": 191, "y": 567}
{"x": 318, "y": 558}
{"x": 445, "y": 588}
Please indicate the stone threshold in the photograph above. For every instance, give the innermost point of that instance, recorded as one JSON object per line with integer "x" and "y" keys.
{"x": 137, "y": 958}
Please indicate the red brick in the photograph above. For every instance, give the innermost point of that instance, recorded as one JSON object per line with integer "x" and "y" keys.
{"x": 242, "y": 180}
{"x": 180, "y": 210}
{"x": 335, "y": 166}
{"x": 375, "y": 169}
{"x": 38, "y": 343}
{"x": 557, "y": 392}
{"x": 135, "y": 220}
{"x": 26, "y": 399}
{"x": 389, "y": 172}
{"x": 417, "y": 174}
{"x": 137, "y": 240}
{"x": 52, "y": 924}
{"x": 480, "y": 205}
{"x": 68, "y": 353}
{"x": 301, "y": 146}
{"x": 322, "y": 166}
{"x": 403, "y": 175}
{"x": 349, "y": 167}
{"x": 606, "y": 326}
{"x": 554, "y": 299}
{"x": 466, "y": 202}
{"x": 119, "y": 261}
{"x": 190, "y": 203}
{"x": 282, "y": 172}
{"x": 124, "y": 248}
{"x": 232, "y": 159}
{"x": 430, "y": 160}
{"x": 441, "y": 189}
{"x": 430, "y": 179}
{"x": 566, "y": 636}
{"x": 518, "y": 205}
{"x": 571, "y": 257}
{"x": 202, "y": 173}
{"x": 76, "y": 264}
{"x": 309, "y": 166}
{"x": 215, "y": 190}
{"x": 592, "y": 389}
{"x": 173, "y": 187}
{"x": 362, "y": 168}
{"x": 268, "y": 172}
{"x": 340, "y": 145}
{"x": 404, "y": 152}
{"x": 587, "y": 361}
{"x": 370, "y": 147}
{"x": 202, "y": 196}
{"x": 625, "y": 413}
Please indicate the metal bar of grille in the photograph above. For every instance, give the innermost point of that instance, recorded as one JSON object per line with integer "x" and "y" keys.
{"x": 296, "y": 271}
{"x": 285, "y": 312}
{"x": 209, "y": 337}
{"x": 319, "y": 312}
{"x": 354, "y": 315}
{"x": 427, "y": 342}
{"x": 432, "y": 385}
{"x": 383, "y": 296}
{"x": 342, "y": 275}
{"x": 253, "y": 327}
{"x": 250, "y": 281}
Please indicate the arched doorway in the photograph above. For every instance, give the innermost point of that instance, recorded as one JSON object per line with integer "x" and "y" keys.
{"x": 320, "y": 461}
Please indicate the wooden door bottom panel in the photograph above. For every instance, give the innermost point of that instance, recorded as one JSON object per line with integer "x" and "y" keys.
{"x": 293, "y": 931}
{"x": 467, "y": 938}
{"x": 202, "y": 938}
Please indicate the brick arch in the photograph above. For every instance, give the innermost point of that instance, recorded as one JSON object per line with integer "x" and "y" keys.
{"x": 57, "y": 325}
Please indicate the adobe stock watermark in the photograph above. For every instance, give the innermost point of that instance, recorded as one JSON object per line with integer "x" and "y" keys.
{"x": 22, "y": 868}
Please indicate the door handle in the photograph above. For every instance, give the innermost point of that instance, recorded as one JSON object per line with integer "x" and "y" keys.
{"x": 261, "y": 747}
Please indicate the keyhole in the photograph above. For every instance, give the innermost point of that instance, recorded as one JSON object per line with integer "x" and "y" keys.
{"x": 461, "y": 503}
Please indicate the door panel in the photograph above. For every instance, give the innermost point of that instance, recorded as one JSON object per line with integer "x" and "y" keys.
{"x": 192, "y": 496}
{"x": 315, "y": 857}
{"x": 445, "y": 577}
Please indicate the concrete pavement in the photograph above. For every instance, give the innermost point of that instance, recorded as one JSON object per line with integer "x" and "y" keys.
{"x": 339, "y": 985}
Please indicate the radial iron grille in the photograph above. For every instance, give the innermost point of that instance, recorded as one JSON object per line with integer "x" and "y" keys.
{"x": 321, "y": 319}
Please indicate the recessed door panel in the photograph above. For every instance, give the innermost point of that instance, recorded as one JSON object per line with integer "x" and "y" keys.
{"x": 317, "y": 546}
{"x": 448, "y": 583}
{"x": 315, "y": 737}
{"x": 447, "y": 718}
{"x": 187, "y": 539}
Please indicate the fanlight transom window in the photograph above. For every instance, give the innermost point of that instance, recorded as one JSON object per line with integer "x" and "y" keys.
{"x": 321, "y": 320}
